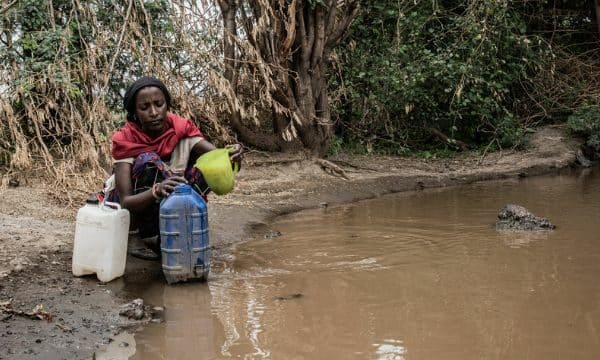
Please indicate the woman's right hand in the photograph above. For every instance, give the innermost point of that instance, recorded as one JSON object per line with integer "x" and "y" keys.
{"x": 236, "y": 154}
{"x": 164, "y": 188}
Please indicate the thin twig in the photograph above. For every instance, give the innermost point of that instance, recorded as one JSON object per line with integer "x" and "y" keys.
{"x": 486, "y": 150}
{"x": 5, "y": 9}
{"x": 116, "y": 51}
{"x": 149, "y": 25}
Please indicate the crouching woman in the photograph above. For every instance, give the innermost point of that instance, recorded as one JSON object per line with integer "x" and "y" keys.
{"x": 153, "y": 153}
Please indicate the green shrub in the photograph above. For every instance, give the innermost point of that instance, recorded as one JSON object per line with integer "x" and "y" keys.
{"x": 456, "y": 67}
{"x": 585, "y": 122}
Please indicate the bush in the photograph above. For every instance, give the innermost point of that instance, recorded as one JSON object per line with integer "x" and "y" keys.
{"x": 585, "y": 122}
{"x": 456, "y": 67}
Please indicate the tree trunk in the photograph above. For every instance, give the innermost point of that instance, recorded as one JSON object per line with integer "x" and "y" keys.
{"x": 597, "y": 6}
{"x": 285, "y": 49}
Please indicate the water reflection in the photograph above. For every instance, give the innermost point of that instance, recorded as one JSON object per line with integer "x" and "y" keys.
{"x": 517, "y": 239}
{"x": 189, "y": 328}
{"x": 390, "y": 350}
{"x": 409, "y": 276}
{"x": 241, "y": 319}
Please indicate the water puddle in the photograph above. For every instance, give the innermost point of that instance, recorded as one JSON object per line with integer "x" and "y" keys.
{"x": 407, "y": 276}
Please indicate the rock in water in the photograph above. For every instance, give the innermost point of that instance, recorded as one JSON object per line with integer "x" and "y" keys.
{"x": 516, "y": 217}
{"x": 135, "y": 310}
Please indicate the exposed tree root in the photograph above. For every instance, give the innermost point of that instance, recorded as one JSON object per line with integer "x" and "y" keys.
{"x": 353, "y": 165}
{"x": 457, "y": 144}
{"x": 331, "y": 168}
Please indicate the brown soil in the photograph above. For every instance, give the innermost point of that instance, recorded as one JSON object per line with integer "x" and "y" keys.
{"x": 36, "y": 233}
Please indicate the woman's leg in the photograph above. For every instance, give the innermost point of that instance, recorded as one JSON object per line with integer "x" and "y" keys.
{"x": 148, "y": 169}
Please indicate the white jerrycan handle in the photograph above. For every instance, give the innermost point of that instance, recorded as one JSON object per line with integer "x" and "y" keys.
{"x": 110, "y": 205}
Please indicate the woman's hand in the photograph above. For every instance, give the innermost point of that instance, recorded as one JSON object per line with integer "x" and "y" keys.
{"x": 164, "y": 188}
{"x": 237, "y": 154}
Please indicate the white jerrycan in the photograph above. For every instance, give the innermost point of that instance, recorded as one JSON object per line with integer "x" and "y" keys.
{"x": 100, "y": 246}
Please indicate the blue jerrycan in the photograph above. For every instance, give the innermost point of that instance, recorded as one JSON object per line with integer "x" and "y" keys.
{"x": 183, "y": 225}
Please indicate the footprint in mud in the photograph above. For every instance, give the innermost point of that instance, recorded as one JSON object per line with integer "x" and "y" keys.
{"x": 289, "y": 297}
{"x": 272, "y": 234}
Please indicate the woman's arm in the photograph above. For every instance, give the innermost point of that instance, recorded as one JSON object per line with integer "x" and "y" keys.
{"x": 134, "y": 203}
{"x": 144, "y": 200}
{"x": 204, "y": 146}
{"x": 200, "y": 148}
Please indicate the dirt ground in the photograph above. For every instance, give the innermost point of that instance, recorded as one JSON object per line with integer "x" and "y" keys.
{"x": 47, "y": 313}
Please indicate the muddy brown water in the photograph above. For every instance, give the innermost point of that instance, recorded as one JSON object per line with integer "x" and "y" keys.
{"x": 407, "y": 276}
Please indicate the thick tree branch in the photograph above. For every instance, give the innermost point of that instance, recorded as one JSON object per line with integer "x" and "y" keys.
{"x": 343, "y": 24}
{"x": 228, "y": 10}
{"x": 597, "y": 3}
{"x": 290, "y": 30}
{"x": 319, "y": 43}
{"x": 310, "y": 34}
{"x": 331, "y": 17}
{"x": 5, "y": 9}
{"x": 248, "y": 27}
{"x": 457, "y": 144}
{"x": 248, "y": 136}
{"x": 301, "y": 41}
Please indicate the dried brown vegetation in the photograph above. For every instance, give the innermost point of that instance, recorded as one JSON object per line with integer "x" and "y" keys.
{"x": 66, "y": 64}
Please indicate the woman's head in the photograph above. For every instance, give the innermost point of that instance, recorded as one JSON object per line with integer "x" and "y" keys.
{"x": 147, "y": 101}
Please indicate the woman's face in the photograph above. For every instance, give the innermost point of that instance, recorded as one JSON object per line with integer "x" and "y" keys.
{"x": 151, "y": 110}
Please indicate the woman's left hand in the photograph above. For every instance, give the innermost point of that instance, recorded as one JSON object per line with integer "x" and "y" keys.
{"x": 237, "y": 154}
{"x": 166, "y": 187}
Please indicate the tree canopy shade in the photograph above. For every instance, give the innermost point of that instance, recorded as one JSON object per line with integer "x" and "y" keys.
{"x": 284, "y": 49}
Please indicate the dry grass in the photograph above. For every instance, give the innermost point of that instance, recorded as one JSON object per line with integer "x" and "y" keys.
{"x": 57, "y": 120}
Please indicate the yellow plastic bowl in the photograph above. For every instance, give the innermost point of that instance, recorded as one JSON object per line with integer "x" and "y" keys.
{"x": 217, "y": 170}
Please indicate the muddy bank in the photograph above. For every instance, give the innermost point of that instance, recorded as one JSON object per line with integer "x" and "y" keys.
{"x": 36, "y": 234}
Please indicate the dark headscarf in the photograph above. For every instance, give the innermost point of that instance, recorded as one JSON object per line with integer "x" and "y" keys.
{"x": 145, "y": 81}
